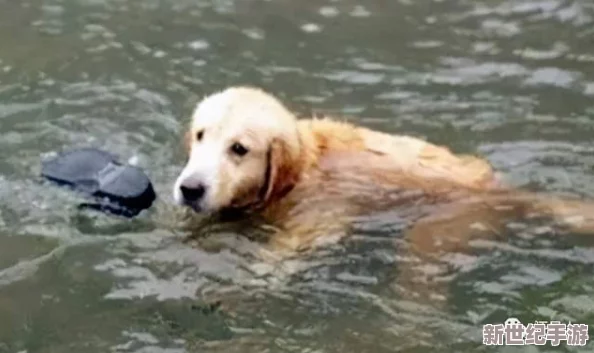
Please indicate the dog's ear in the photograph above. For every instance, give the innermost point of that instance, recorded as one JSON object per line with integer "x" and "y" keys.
{"x": 282, "y": 171}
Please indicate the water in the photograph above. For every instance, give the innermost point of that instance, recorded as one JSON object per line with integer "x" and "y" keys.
{"x": 511, "y": 80}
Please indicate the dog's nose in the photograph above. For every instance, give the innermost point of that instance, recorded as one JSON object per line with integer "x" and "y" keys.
{"x": 192, "y": 194}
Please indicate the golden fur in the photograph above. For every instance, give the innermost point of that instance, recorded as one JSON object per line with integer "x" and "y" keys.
{"x": 309, "y": 177}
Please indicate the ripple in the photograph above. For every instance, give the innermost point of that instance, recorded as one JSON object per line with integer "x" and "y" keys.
{"x": 311, "y": 28}
{"x": 500, "y": 28}
{"x": 552, "y": 76}
{"x": 465, "y": 72}
{"x": 328, "y": 11}
{"x": 254, "y": 33}
{"x": 506, "y": 8}
{"x": 556, "y": 51}
{"x": 198, "y": 45}
{"x": 360, "y": 11}
{"x": 8, "y": 110}
{"x": 355, "y": 77}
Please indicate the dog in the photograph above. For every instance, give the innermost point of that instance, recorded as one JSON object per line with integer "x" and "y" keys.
{"x": 249, "y": 154}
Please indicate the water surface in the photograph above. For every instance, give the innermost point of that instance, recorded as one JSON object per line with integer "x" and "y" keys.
{"x": 510, "y": 80}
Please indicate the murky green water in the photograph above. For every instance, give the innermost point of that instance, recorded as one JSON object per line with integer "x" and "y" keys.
{"x": 512, "y": 80}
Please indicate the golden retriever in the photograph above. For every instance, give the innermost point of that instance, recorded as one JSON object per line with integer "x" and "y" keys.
{"x": 309, "y": 177}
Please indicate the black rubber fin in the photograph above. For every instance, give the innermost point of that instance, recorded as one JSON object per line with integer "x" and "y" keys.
{"x": 119, "y": 189}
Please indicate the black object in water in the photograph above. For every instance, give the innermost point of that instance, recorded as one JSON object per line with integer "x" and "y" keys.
{"x": 117, "y": 188}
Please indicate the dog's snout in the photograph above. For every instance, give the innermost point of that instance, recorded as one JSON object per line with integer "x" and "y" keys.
{"x": 192, "y": 194}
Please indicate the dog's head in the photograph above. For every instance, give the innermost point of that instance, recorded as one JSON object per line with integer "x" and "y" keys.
{"x": 243, "y": 148}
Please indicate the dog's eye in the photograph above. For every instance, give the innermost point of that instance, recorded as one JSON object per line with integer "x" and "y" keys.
{"x": 199, "y": 135}
{"x": 239, "y": 149}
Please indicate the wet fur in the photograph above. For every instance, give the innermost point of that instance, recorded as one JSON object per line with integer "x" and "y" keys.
{"x": 339, "y": 170}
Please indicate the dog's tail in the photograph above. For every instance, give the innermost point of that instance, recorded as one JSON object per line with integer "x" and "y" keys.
{"x": 575, "y": 215}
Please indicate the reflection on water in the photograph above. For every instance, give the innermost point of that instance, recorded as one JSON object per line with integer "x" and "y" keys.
{"x": 512, "y": 80}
